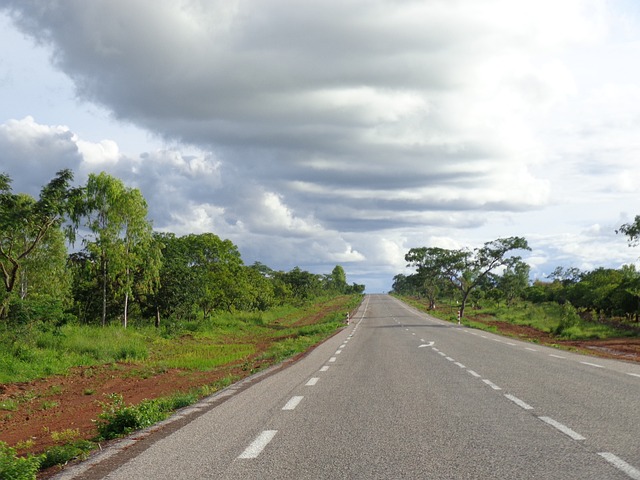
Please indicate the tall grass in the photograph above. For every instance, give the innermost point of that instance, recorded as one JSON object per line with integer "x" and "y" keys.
{"x": 49, "y": 352}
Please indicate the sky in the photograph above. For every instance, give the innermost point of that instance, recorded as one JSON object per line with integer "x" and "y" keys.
{"x": 339, "y": 132}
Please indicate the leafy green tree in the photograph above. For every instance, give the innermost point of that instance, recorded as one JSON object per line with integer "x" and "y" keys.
{"x": 431, "y": 273}
{"x": 216, "y": 265}
{"x": 303, "y": 285}
{"x": 514, "y": 281}
{"x": 26, "y": 223}
{"x": 177, "y": 293}
{"x": 337, "y": 280}
{"x": 120, "y": 239}
{"x": 465, "y": 269}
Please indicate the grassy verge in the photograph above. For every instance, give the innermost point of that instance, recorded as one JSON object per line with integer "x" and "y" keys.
{"x": 197, "y": 345}
{"x": 560, "y": 321}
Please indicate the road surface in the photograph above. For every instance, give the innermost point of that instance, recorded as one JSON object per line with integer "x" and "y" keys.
{"x": 399, "y": 394}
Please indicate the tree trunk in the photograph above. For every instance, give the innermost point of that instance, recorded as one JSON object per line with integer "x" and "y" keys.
{"x": 126, "y": 308}
{"x": 157, "y": 316}
{"x": 104, "y": 292}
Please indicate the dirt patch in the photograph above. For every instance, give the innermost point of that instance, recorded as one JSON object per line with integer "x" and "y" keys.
{"x": 73, "y": 401}
{"x": 617, "y": 348}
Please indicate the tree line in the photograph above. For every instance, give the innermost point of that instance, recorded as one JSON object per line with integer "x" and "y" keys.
{"x": 494, "y": 273}
{"x": 122, "y": 267}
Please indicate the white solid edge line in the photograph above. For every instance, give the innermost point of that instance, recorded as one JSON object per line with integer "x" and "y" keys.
{"x": 621, "y": 465}
{"x": 312, "y": 382}
{"x": 293, "y": 403}
{"x": 563, "y": 428}
{"x": 258, "y": 444}
{"x": 518, "y": 402}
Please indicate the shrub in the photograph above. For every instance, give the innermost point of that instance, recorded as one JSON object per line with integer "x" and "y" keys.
{"x": 117, "y": 419}
{"x": 13, "y": 467}
{"x": 570, "y": 318}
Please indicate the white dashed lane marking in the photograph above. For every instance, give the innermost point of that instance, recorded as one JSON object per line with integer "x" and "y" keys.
{"x": 621, "y": 465}
{"x": 258, "y": 444}
{"x": 563, "y": 428}
{"x": 293, "y": 403}
{"x": 518, "y": 402}
{"x": 592, "y": 364}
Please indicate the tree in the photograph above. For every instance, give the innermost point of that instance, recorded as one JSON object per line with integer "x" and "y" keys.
{"x": 337, "y": 280}
{"x": 631, "y": 230}
{"x": 176, "y": 295}
{"x": 26, "y": 222}
{"x": 514, "y": 281}
{"x": 217, "y": 267}
{"x": 465, "y": 269}
{"x": 120, "y": 240}
{"x": 430, "y": 276}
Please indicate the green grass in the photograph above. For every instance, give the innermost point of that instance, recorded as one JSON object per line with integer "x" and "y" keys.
{"x": 203, "y": 344}
{"x": 195, "y": 355}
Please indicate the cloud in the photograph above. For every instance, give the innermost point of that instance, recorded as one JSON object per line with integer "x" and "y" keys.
{"x": 35, "y": 152}
{"x": 343, "y": 131}
{"x": 331, "y": 94}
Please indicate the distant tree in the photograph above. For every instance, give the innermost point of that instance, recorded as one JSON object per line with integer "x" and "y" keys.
{"x": 431, "y": 274}
{"x": 25, "y": 224}
{"x": 465, "y": 269}
{"x": 513, "y": 281}
{"x": 338, "y": 279}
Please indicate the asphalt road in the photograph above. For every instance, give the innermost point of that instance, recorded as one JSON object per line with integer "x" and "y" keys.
{"x": 399, "y": 394}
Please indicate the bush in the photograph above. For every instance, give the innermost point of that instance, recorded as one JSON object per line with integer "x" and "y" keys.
{"x": 117, "y": 419}
{"x": 569, "y": 319}
{"x": 13, "y": 467}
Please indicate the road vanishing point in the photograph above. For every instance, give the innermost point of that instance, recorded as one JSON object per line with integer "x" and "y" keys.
{"x": 400, "y": 394}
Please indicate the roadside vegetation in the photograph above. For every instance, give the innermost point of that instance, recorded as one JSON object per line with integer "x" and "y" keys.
{"x": 494, "y": 285}
{"x": 250, "y": 341}
{"x": 87, "y": 283}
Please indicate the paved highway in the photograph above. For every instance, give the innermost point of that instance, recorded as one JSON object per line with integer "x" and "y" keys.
{"x": 399, "y": 394}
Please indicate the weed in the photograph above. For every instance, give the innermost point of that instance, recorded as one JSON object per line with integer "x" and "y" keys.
{"x": 15, "y": 467}
{"x": 88, "y": 391}
{"x": 66, "y": 436}
{"x": 48, "y": 405}
{"x": 26, "y": 444}
{"x": 54, "y": 390}
{"x": 63, "y": 454}
{"x": 117, "y": 419}
{"x": 9, "y": 404}
{"x": 28, "y": 396}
